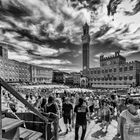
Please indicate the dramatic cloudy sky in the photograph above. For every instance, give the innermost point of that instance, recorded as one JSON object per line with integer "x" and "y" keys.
{"x": 48, "y": 32}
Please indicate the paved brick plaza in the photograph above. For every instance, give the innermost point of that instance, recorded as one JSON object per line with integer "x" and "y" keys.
{"x": 94, "y": 132}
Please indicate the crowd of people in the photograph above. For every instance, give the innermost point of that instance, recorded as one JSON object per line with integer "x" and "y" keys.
{"x": 78, "y": 108}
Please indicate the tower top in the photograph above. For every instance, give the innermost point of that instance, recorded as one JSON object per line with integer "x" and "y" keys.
{"x": 86, "y": 25}
{"x": 117, "y": 53}
{"x": 85, "y": 29}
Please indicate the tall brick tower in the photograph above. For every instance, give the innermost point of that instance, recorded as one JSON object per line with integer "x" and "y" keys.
{"x": 85, "y": 47}
{"x": 3, "y": 51}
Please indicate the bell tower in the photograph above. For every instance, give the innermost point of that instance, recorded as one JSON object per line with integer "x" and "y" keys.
{"x": 3, "y": 51}
{"x": 85, "y": 46}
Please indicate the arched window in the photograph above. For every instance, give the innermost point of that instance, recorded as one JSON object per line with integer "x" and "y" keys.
{"x": 102, "y": 71}
{"x": 114, "y": 78}
{"x": 125, "y": 68}
{"x": 120, "y": 78}
{"x": 131, "y": 68}
{"x": 110, "y": 78}
{"x": 130, "y": 77}
{"x": 110, "y": 70}
{"x": 106, "y": 71}
{"x": 120, "y": 69}
{"x": 125, "y": 77}
{"x": 106, "y": 78}
{"x": 114, "y": 69}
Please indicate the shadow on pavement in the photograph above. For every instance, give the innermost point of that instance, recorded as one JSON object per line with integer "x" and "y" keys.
{"x": 99, "y": 134}
{"x": 98, "y": 121}
{"x": 62, "y": 134}
{"x": 116, "y": 138}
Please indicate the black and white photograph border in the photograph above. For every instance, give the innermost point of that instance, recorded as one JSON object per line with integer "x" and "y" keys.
{"x": 70, "y": 69}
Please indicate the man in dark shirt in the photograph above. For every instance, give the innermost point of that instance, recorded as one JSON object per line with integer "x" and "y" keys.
{"x": 81, "y": 112}
{"x": 67, "y": 111}
{"x": 91, "y": 110}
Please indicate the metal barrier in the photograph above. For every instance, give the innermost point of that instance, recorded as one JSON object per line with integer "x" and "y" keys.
{"x": 30, "y": 107}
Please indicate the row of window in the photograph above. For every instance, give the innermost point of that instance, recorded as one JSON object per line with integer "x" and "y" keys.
{"x": 112, "y": 78}
{"x": 10, "y": 68}
{"x": 11, "y": 80}
{"x": 112, "y": 70}
{"x": 112, "y": 84}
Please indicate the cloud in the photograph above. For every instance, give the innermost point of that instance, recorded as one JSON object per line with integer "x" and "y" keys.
{"x": 128, "y": 53}
{"x": 19, "y": 57}
{"x": 135, "y": 9}
{"x": 48, "y": 31}
{"x": 50, "y": 62}
{"x": 103, "y": 30}
{"x": 46, "y": 51}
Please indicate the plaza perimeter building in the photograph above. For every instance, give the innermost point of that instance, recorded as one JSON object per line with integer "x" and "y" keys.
{"x": 114, "y": 72}
{"x": 14, "y": 71}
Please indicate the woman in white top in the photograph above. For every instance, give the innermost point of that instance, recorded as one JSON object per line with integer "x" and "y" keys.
{"x": 130, "y": 121}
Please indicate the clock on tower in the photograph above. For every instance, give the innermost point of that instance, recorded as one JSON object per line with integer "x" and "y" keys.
{"x": 108, "y": 62}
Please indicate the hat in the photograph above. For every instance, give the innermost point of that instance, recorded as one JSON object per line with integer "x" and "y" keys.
{"x": 135, "y": 102}
{"x": 130, "y": 100}
{"x": 66, "y": 99}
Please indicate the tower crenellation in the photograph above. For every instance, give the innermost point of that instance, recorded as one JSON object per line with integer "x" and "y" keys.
{"x": 111, "y": 60}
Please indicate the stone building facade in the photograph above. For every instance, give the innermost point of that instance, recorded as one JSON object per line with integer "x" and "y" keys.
{"x": 40, "y": 74}
{"x": 114, "y": 72}
{"x": 14, "y": 71}
{"x": 60, "y": 76}
{"x": 24, "y": 72}
{"x": 76, "y": 78}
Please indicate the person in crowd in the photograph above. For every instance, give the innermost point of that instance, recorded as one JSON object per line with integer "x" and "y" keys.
{"x": 130, "y": 121}
{"x": 67, "y": 112}
{"x": 91, "y": 109}
{"x": 30, "y": 99}
{"x": 96, "y": 107}
{"x": 9, "y": 96}
{"x": 43, "y": 103}
{"x": 27, "y": 97}
{"x": 3, "y": 97}
{"x": 6, "y": 98}
{"x": 37, "y": 104}
{"x": 128, "y": 96}
{"x": 59, "y": 103}
{"x": 51, "y": 106}
{"x": 72, "y": 99}
{"x": 120, "y": 107}
{"x": 81, "y": 112}
{"x": 105, "y": 115}
{"x": 112, "y": 104}
{"x": 12, "y": 106}
{"x": 73, "y": 102}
